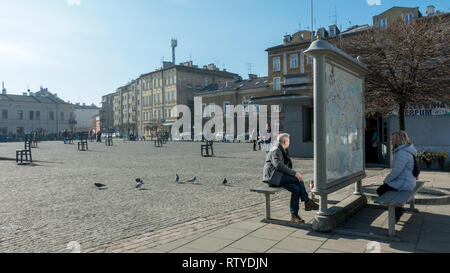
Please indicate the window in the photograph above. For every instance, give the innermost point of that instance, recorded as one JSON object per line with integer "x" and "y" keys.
{"x": 294, "y": 61}
{"x": 408, "y": 18}
{"x": 382, "y": 23}
{"x": 19, "y": 114}
{"x": 31, "y": 115}
{"x": 206, "y": 81}
{"x": 213, "y": 109}
{"x": 203, "y": 110}
{"x": 61, "y": 115}
{"x": 277, "y": 108}
{"x": 245, "y": 105}
{"x": 4, "y": 114}
{"x": 52, "y": 115}
{"x": 38, "y": 115}
{"x": 308, "y": 124}
{"x": 276, "y": 84}
{"x": 309, "y": 60}
{"x": 225, "y": 104}
{"x": 276, "y": 63}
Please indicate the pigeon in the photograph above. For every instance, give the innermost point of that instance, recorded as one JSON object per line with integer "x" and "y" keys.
{"x": 177, "y": 178}
{"x": 192, "y": 179}
{"x": 139, "y": 183}
{"x": 225, "y": 181}
{"x": 99, "y": 185}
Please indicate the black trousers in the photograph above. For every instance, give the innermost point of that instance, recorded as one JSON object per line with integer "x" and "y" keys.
{"x": 385, "y": 188}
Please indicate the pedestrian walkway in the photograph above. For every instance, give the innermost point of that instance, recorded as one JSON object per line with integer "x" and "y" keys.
{"x": 242, "y": 231}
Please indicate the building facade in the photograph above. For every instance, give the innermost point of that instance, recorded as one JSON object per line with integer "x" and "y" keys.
{"x": 39, "y": 111}
{"x": 147, "y": 104}
{"x": 238, "y": 92}
{"x": 83, "y": 116}
{"x": 107, "y": 112}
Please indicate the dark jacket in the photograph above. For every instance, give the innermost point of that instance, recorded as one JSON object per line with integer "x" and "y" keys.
{"x": 277, "y": 164}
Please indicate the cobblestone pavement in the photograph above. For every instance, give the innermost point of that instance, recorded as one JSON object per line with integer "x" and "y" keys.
{"x": 52, "y": 202}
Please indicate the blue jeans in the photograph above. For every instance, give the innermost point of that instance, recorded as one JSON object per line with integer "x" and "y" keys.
{"x": 267, "y": 147}
{"x": 297, "y": 189}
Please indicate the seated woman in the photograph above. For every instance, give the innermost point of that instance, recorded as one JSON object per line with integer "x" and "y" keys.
{"x": 401, "y": 177}
{"x": 278, "y": 172}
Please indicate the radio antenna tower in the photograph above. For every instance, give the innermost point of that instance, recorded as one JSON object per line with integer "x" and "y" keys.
{"x": 249, "y": 68}
{"x": 174, "y": 44}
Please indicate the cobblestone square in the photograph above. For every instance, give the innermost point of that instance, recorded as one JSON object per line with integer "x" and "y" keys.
{"x": 54, "y": 201}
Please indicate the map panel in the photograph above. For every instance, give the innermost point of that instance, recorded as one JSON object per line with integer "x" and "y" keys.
{"x": 344, "y": 118}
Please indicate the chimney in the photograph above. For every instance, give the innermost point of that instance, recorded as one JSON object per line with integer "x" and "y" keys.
{"x": 333, "y": 30}
{"x": 252, "y": 76}
{"x": 287, "y": 39}
{"x": 3, "y": 88}
{"x": 430, "y": 10}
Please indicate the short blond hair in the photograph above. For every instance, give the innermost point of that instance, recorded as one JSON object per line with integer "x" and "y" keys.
{"x": 402, "y": 138}
{"x": 282, "y": 137}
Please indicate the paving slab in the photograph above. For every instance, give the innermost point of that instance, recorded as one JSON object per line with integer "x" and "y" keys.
{"x": 346, "y": 244}
{"x": 272, "y": 233}
{"x": 254, "y": 244}
{"x": 229, "y": 233}
{"x": 296, "y": 244}
{"x": 208, "y": 243}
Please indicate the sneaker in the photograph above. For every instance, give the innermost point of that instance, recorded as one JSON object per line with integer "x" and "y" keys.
{"x": 296, "y": 219}
{"x": 311, "y": 205}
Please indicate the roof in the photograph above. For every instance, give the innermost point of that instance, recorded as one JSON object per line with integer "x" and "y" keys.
{"x": 94, "y": 107}
{"x": 192, "y": 68}
{"x": 395, "y": 7}
{"x": 236, "y": 85}
{"x": 289, "y": 45}
{"x": 32, "y": 99}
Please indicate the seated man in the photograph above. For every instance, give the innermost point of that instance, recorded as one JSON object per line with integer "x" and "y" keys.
{"x": 278, "y": 172}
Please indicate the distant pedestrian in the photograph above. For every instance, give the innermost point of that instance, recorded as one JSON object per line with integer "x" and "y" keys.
{"x": 254, "y": 138}
{"x": 267, "y": 139}
{"x": 65, "y": 134}
{"x": 99, "y": 136}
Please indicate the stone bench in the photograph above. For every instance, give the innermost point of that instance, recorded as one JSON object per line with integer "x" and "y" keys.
{"x": 268, "y": 191}
{"x": 393, "y": 199}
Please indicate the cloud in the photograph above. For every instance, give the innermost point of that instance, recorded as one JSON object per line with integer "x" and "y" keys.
{"x": 373, "y": 2}
{"x": 16, "y": 51}
{"x": 73, "y": 2}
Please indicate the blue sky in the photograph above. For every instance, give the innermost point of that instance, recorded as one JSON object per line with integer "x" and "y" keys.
{"x": 83, "y": 49}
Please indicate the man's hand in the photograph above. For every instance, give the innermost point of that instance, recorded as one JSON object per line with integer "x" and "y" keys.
{"x": 299, "y": 177}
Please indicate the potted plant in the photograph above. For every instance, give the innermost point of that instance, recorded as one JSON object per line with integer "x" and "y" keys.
{"x": 441, "y": 156}
{"x": 427, "y": 158}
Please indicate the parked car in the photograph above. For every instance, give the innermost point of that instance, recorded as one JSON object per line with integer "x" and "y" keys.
{"x": 219, "y": 136}
{"x": 243, "y": 137}
{"x": 199, "y": 137}
{"x": 183, "y": 136}
{"x": 229, "y": 137}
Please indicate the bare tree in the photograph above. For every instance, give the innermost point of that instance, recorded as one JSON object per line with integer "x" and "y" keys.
{"x": 408, "y": 64}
